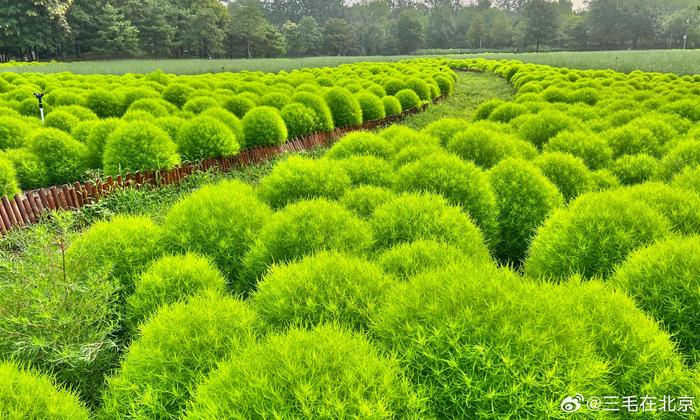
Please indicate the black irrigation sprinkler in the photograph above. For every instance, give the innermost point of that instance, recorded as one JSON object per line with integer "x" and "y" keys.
{"x": 40, "y": 97}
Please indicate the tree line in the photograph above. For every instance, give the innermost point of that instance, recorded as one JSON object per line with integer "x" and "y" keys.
{"x": 40, "y": 29}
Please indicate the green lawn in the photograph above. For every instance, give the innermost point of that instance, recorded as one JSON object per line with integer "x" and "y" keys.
{"x": 672, "y": 61}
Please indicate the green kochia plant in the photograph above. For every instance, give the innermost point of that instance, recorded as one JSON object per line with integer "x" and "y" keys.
{"x": 264, "y": 126}
{"x": 326, "y": 372}
{"x": 300, "y": 229}
{"x": 664, "y": 280}
{"x": 175, "y": 350}
{"x": 8, "y": 177}
{"x": 364, "y": 199}
{"x": 410, "y": 259}
{"x": 360, "y": 144}
{"x": 569, "y": 173}
{"x": 139, "y": 146}
{"x": 29, "y": 395}
{"x": 205, "y": 137}
{"x": 344, "y": 107}
{"x": 64, "y": 157}
{"x": 326, "y": 287}
{"x": 219, "y": 221}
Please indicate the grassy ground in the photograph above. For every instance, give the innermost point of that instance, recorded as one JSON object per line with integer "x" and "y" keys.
{"x": 672, "y": 61}
{"x": 470, "y": 90}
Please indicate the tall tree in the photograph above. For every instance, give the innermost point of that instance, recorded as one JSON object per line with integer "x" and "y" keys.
{"x": 303, "y": 38}
{"x": 337, "y": 37}
{"x": 540, "y": 21}
{"x": 32, "y": 25}
{"x": 247, "y": 19}
{"x": 116, "y": 34}
{"x": 409, "y": 32}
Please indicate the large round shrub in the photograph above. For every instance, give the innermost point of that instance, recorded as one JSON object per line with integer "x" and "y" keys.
{"x": 368, "y": 170}
{"x": 64, "y": 157}
{"x": 597, "y": 231}
{"x": 62, "y": 120}
{"x": 9, "y": 185}
{"x": 361, "y": 143}
{"x": 104, "y": 103}
{"x": 29, "y": 169}
{"x": 205, "y": 137}
{"x": 407, "y": 260}
{"x": 635, "y": 169}
{"x": 371, "y": 105}
{"x": 419, "y": 86}
{"x": 628, "y": 140}
{"x": 323, "y": 373}
{"x": 156, "y": 107}
{"x": 224, "y": 116}
{"x": 363, "y": 200}
{"x": 410, "y": 217}
{"x": 392, "y": 106}
{"x": 219, "y": 221}
{"x": 484, "y": 110}
{"x": 393, "y": 85}
{"x": 97, "y": 139}
{"x": 298, "y": 178}
{"x": 301, "y": 229}
{"x": 688, "y": 180}
{"x": 299, "y": 119}
{"x": 664, "y": 280}
{"x": 328, "y": 287}
{"x": 176, "y": 349}
{"x": 345, "y": 109}
{"x": 408, "y": 99}
{"x": 172, "y": 279}
{"x": 590, "y": 147}
{"x": 177, "y": 94}
{"x": 323, "y": 120}
{"x": 28, "y": 395}
{"x": 274, "y": 99}
{"x": 239, "y": 105}
{"x": 685, "y": 154}
{"x": 199, "y": 104}
{"x": 13, "y": 132}
{"x": 139, "y": 146}
{"x": 569, "y": 173}
{"x": 525, "y": 198}
{"x": 484, "y": 343}
{"x": 461, "y": 183}
{"x": 446, "y": 128}
{"x": 124, "y": 245}
{"x": 264, "y": 126}
{"x": 507, "y": 111}
{"x": 679, "y": 207}
{"x": 539, "y": 128}
{"x": 482, "y": 146}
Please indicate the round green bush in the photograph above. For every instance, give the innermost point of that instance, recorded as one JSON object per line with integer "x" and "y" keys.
{"x": 363, "y": 200}
{"x": 679, "y": 207}
{"x": 299, "y": 119}
{"x": 176, "y": 350}
{"x": 604, "y": 179}
{"x": 392, "y": 86}
{"x": 104, "y": 103}
{"x": 686, "y": 154}
{"x": 82, "y": 130}
{"x": 28, "y": 395}
{"x": 664, "y": 280}
{"x": 360, "y": 143}
{"x": 298, "y": 178}
{"x": 590, "y": 147}
{"x": 445, "y": 83}
{"x": 597, "y": 231}
{"x": 410, "y": 217}
{"x": 132, "y": 116}
{"x": 461, "y": 183}
{"x": 446, "y": 128}
{"x": 9, "y": 185}
{"x": 345, "y": 109}
{"x": 302, "y": 229}
{"x": 539, "y": 128}
{"x": 506, "y": 112}
{"x": 172, "y": 279}
{"x": 420, "y": 87}
{"x": 229, "y": 119}
{"x": 29, "y": 169}
{"x": 138, "y": 146}
{"x": 275, "y": 99}
{"x": 323, "y": 373}
{"x": 199, "y": 104}
{"x": 635, "y": 169}
{"x": 205, "y": 137}
{"x": 124, "y": 245}
{"x": 62, "y": 120}
{"x": 483, "y": 111}
{"x": 177, "y": 94}
{"x": 392, "y": 106}
{"x": 328, "y": 287}
{"x": 219, "y": 221}
{"x": 482, "y": 146}
{"x": 407, "y": 260}
{"x": 264, "y": 126}
{"x": 371, "y": 105}
{"x": 408, "y": 99}
{"x": 172, "y": 125}
{"x": 64, "y": 157}
{"x": 156, "y": 107}
{"x": 569, "y": 173}
{"x": 239, "y": 105}
{"x": 13, "y": 132}
{"x": 323, "y": 117}
{"x": 472, "y": 332}
{"x": 688, "y": 180}
{"x": 368, "y": 170}
{"x": 97, "y": 139}
{"x": 628, "y": 140}
{"x": 524, "y": 198}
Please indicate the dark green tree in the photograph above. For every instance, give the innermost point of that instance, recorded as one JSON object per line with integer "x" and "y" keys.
{"x": 409, "y": 32}
{"x": 116, "y": 34}
{"x": 540, "y": 21}
{"x": 337, "y": 37}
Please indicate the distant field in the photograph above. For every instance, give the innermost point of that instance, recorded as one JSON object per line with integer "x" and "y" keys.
{"x": 665, "y": 61}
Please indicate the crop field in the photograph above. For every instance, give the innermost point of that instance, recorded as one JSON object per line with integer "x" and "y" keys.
{"x": 528, "y": 247}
